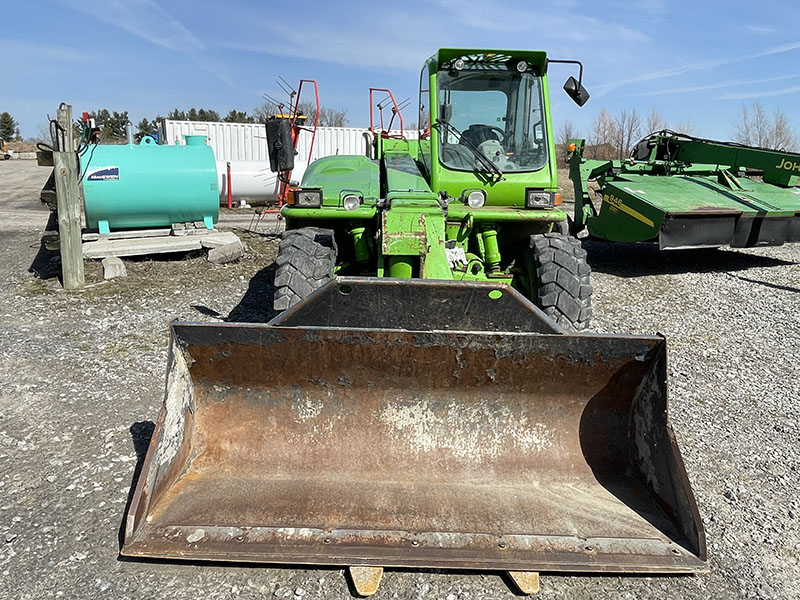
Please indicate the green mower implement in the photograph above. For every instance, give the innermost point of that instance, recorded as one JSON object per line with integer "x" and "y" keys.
{"x": 414, "y": 404}
{"x": 686, "y": 192}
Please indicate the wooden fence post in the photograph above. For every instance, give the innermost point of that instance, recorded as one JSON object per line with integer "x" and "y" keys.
{"x": 65, "y": 165}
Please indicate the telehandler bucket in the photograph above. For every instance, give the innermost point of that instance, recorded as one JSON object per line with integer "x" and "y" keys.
{"x": 340, "y": 443}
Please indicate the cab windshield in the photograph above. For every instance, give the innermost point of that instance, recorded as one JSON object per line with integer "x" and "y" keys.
{"x": 498, "y": 114}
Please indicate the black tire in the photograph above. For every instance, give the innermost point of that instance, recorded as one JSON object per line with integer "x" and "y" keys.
{"x": 560, "y": 280}
{"x": 306, "y": 258}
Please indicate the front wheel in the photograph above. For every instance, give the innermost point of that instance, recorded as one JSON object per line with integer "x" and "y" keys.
{"x": 306, "y": 258}
{"x": 558, "y": 276}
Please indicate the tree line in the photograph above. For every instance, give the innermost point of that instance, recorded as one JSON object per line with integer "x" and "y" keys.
{"x": 112, "y": 123}
{"x": 611, "y": 137}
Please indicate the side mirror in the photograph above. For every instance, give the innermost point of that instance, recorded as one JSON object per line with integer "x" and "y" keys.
{"x": 279, "y": 145}
{"x": 576, "y": 91}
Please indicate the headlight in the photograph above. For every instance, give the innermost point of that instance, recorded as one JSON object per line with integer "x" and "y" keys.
{"x": 539, "y": 199}
{"x": 351, "y": 202}
{"x": 522, "y": 66}
{"x": 308, "y": 198}
{"x": 475, "y": 198}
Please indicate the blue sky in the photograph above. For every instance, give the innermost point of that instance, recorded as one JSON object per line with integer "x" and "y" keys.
{"x": 696, "y": 61}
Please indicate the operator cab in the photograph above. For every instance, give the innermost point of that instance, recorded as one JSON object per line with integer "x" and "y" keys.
{"x": 497, "y": 113}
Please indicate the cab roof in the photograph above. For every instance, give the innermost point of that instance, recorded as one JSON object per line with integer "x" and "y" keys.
{"x": 488, "y": 59}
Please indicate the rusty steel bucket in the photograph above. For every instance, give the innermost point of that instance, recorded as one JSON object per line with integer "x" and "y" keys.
{"x": 331, "y": 445}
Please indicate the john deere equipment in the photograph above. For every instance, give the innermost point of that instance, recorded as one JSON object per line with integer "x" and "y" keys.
{"x": 427, "y": 414}
{"x": 687, "y": 192}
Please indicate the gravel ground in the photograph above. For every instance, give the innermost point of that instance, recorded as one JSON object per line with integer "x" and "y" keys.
{"x": 82, "y": 374}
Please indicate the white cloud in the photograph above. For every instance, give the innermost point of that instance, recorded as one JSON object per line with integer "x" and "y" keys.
{"x": 693, "y": 67}
{"x": 761, "y": 94}
{"x": 761, "y": 30}
{"x": 147, "y": 20}
{"x": 652, "y": 6}
{"x": 717, "y": 86}
{"x": 777, "y": 50}
{"x": 404, "y": 45}
{"x": 565, "y": 25}
{"x": 405, "y": 40}
{"x": 36, "y": 50}
{"x": 144, "y": 19}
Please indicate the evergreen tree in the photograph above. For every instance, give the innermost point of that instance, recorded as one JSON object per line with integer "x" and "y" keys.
{"x": 9, "y": 128}
{"x": 238, "y": 116}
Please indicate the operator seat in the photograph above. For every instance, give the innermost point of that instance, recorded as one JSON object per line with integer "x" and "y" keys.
{"x": 457, "y": 157}
{"x": 477, "y": 134}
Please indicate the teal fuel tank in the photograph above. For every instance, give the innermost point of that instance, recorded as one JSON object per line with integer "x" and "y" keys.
{"x": 149, "y": 185}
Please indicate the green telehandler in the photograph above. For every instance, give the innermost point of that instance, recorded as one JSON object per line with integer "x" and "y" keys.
{"x": 418, "y": 402}
{"x": 474, "y": 199}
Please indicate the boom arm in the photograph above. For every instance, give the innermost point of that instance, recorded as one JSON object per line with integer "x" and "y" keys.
{"x": 780, "y": 167}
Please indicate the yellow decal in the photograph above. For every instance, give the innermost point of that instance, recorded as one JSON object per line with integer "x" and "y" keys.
{"x": 788, "y": 165}
{"x": 615, "y": 204}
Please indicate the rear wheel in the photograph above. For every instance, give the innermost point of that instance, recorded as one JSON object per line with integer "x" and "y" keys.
{"x": 306, "y": 258}
{"x": 559, "y": 279}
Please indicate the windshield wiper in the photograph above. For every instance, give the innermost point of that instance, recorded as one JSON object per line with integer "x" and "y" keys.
{"x": 487, "y": 164}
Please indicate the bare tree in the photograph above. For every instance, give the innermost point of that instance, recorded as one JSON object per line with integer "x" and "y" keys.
{"x": 562, "y": 137}
{"x": 755, "y": 128}
{"x": 603, "y": 136}
{"x": 751, "y": 128}
{"x": 655, "y": 122}
{"x": 328, "y": 117}
{"x": 686, "y": 126}
{"x": 628, "y": 128}
{"x": 332, "y": 117}
{"x": 782, "y": 134}
{"x": 43, "y": 133}
{"x": 565, "y": 133}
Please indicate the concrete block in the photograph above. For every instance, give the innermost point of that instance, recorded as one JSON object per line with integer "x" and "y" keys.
{"x": 227, "y": 253}
{"x": 105, "y": 247}
{"x": 218, "y": 238}
{"x": 113, "y": 267}
{"x": 126, "y": 235}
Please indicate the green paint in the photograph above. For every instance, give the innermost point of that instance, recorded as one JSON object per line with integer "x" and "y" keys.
{"x": 414, "y": 199}
{"x": 360, "y": 244}
{"x": 704, "y": 180}
{"x": 497, "y": 214}
{"x": 401, "y": 267}
{"x": 491, "y": 249}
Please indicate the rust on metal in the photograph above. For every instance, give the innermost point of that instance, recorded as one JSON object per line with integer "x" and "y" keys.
{"x": 418, "y": 305}
{"x": 527, "y": 582}
{"x": 354, "y": 447}
{"x": 366, "y": 580}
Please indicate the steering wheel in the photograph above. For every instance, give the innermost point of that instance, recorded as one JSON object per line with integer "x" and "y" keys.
{"x": 496, "y": 130}
{"x": 480, "y": 132}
